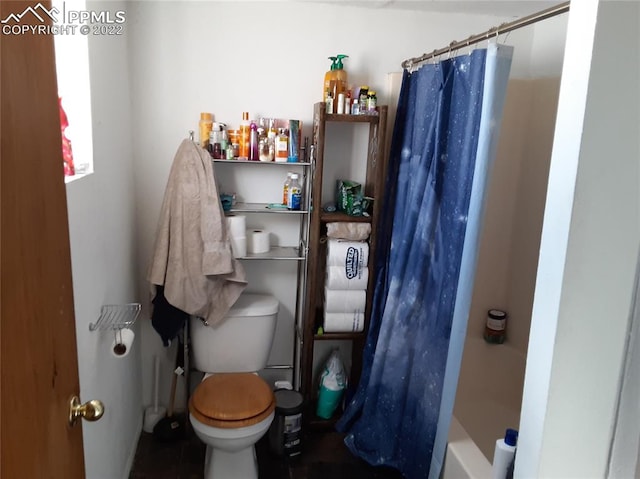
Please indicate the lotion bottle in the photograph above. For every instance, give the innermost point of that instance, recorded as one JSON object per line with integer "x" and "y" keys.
{"x": 504, "y": 453}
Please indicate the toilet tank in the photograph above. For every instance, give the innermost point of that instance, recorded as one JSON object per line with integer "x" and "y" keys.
{"x": 241, "y": 342}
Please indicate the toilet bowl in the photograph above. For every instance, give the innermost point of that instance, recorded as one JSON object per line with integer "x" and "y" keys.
{"x": 233, "y": 407}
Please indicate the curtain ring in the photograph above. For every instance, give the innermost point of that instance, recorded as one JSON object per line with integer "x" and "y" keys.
{"x": 490, "y": 32}
{"x": 450, "y": 47}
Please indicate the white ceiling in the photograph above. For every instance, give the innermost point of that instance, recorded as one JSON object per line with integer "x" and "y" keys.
{"x": 505, "y": 9}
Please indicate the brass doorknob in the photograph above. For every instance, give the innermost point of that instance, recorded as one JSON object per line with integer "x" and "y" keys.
{"x": 91, "y": 410}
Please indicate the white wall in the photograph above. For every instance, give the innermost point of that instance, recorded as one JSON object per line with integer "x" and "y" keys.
{"x": 102, "y": 235}
{"x": 188, "y": 57}
{"x": 589, "y": 248}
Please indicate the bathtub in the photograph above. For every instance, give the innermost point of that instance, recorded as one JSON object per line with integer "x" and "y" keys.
{"x": 488, "y": 401}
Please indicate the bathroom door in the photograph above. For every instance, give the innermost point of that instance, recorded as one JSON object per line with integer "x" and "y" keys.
{"x": 38, "y": 360}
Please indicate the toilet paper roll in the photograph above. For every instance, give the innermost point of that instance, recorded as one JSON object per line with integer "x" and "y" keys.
{"x": 349, "y": 231}
{"x": 258, "y": 241}
{"x": 344, "y": 301}
{"x": 352, "y": 256}
{"x": 237, "y": 225}
{"x": 122, "y": 343}
{"x": 239, "y": 246}
{"x": 351, "y": 278}
{"x": 343, "y": 322}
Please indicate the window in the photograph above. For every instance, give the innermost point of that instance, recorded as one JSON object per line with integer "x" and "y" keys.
{"x": 74, "y": 91}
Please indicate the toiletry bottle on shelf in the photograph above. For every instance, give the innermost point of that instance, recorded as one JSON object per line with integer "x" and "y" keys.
{"x": 244, "y": 133}
{"x": 340, "y": 105}
{"x": 329, "y": 103}
{"x": 294, "y": 193}
{"x": 224, "y": 137}
{"x": 272, "y": 132}
{"x": 335, "y": 80}
{"x": 504, "y": 453}
{"x": 362, "y": 98}
{"x": 329, "y": 80}
{"x": 355, "y": 107}
{"x": 215, "y": 146}
{"x": 253, "y": 142}
{"x": 496, "y": 325}
{"x": 285, "y": 189}
{"x": 294, "y": 141}
{"x": 372, "y": 101}
{"x": 282, "y": 145}
{"x": 340, "y": 76}
{"x": 205, "y": 126}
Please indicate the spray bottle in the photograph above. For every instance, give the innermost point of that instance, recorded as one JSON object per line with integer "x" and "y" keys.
{"x": 335, "y": 80}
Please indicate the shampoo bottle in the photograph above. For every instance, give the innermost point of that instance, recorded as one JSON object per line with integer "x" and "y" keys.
{"x": 340, "y": 76}
{"x": 335, "y": 80}
{"x": 329, "y": 80}
{"x": 504, "y": 453}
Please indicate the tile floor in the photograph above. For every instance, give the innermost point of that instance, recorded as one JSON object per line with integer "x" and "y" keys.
{"x": 324, "y": 456}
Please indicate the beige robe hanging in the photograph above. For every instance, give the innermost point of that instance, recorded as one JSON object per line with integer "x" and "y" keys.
{"x": 192, "y": 254}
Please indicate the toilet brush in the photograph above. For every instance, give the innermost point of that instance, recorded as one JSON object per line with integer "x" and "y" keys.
{"x": 154, "y": 413}
{"x": 171, "y": 427}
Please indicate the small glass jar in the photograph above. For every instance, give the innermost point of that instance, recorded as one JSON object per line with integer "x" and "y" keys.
{"x": 496, "y": 325}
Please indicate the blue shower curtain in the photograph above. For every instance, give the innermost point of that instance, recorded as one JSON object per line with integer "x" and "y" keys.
{"x": 443, "y": 145}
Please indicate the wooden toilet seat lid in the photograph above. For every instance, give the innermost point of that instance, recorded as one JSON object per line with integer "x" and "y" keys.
{"x": 232, "y": 400}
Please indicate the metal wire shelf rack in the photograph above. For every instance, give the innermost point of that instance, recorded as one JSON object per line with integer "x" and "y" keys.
{"x": 116, "y": 316}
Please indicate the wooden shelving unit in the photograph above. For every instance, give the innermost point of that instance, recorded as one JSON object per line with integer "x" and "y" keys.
{"x": 373, "y": 187}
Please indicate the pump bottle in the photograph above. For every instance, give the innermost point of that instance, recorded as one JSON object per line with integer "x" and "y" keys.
{"x": 335, "y": 80}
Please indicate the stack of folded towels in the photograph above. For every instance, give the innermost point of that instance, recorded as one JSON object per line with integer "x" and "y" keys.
{"x": 347, "y": 276}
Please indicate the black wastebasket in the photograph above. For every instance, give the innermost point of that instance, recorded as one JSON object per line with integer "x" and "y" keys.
{"x": 285, "y": 433}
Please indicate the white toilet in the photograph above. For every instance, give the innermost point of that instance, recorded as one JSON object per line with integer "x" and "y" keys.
{"x": 233, "y": 407}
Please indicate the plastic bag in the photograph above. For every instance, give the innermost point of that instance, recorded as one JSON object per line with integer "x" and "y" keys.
{"x": 332, "y": 386}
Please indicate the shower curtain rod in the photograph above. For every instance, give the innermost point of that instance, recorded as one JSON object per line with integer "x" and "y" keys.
{"x": 493, "y": 32}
